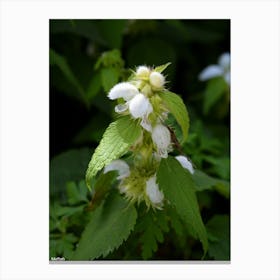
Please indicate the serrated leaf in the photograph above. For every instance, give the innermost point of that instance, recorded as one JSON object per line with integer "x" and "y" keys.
{"x": 161, "y": 68}
{"x": 179, "y": 188}
{"x": 109, "y": 77}
{"x": 152, "y": 226}
{"x": 110, "y": 225}
{"x": 116, "y": 141}
{"x": 218, "y": 230}
{"x": 214, "y": 91}
{"x": 175, "y": 220}
{"x": 177, "y": 108}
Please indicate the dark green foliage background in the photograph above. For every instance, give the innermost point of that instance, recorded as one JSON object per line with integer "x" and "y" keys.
{"x": 80, "y": 113}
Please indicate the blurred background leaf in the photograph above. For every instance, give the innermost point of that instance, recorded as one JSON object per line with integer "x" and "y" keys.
{"x": 219, "y": 234}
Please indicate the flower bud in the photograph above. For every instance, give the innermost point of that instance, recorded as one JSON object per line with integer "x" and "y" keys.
{"x": 162, "y": 139}
{"x": 140, "y": 106}
{"x": 153, "y": 192}
{"x": 157, "y": 80}
{"x": 120, "y": 166}
{"x": 142, "y": 72}
{"x": 123, "y": 90}
{"x": 185, "y": 163}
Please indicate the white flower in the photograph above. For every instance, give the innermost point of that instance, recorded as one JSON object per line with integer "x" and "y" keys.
{"x": 153, "y": 192}
{"x": 137, "y": 103}
{"x": 140, "y": 106}
{"x": 142, "y": 71}
{"x": 185, "y": 163}
{"x": 123, "y": 90}
{"x": 162, "y": 139}
{"x": 157, "y": 80}
{"x": 222, "y": 69}
{"x": 120, "y": 166}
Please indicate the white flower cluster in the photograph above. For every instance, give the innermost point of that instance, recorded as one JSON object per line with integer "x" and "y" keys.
{"x": 136, "y": 96}
{"x": 151, "y": 188}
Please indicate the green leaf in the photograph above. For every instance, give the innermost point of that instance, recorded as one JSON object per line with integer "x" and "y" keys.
{"x": 94, "y": 87}
{"x": 161, "y": 68}
{"x": 110, "y": 225}
{"x": 101, "y": 187}
{"x": 116, "y": 141}
{"x": 111, "y": 58}
{"x": 76, "y": 193}
{"x": 179, "y": 188}
{"x": 176, "y": 106}
{"x": 152, "y": 227}
{"x": 218, "y": 229}
{"x": 175, "y": 220}
{"x": 214, "y": 91}
{"x": 60, "y": 211}
{"x": 61, "y": 62}
{"x": 205, "y": 182}
{"x": 62, "y": 247}
{"x": 66, "y": 167}
{"x": 110, "y": 77}
{"x": 220, "y": 165}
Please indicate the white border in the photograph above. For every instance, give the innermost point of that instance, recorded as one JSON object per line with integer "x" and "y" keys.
{"x": 255, "y": 138}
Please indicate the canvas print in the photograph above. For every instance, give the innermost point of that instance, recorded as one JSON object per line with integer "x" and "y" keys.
{"x": 139, "y": 140}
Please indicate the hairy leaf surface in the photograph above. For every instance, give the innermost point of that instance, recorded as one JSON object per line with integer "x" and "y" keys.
{"x": 117, "y": 139}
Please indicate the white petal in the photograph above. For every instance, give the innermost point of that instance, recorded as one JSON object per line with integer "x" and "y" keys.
{"x": 157, "y": 80}
{"x": 142, "y": 71}
{"x": 161, "y": 136}
{"x": 140, "y": 106}
{"x": 123, "y": 90}
{"x": 119, "y": 165}
{"x": 210, "y": 72}
{"x": 145, "y": 123}
{"x": 227, "y": 77}
{"x": 121, "y": 108}
{"x": 185, "y": 163}
{"x": 224, "y": 60}
{"x": 153, "y": 192}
